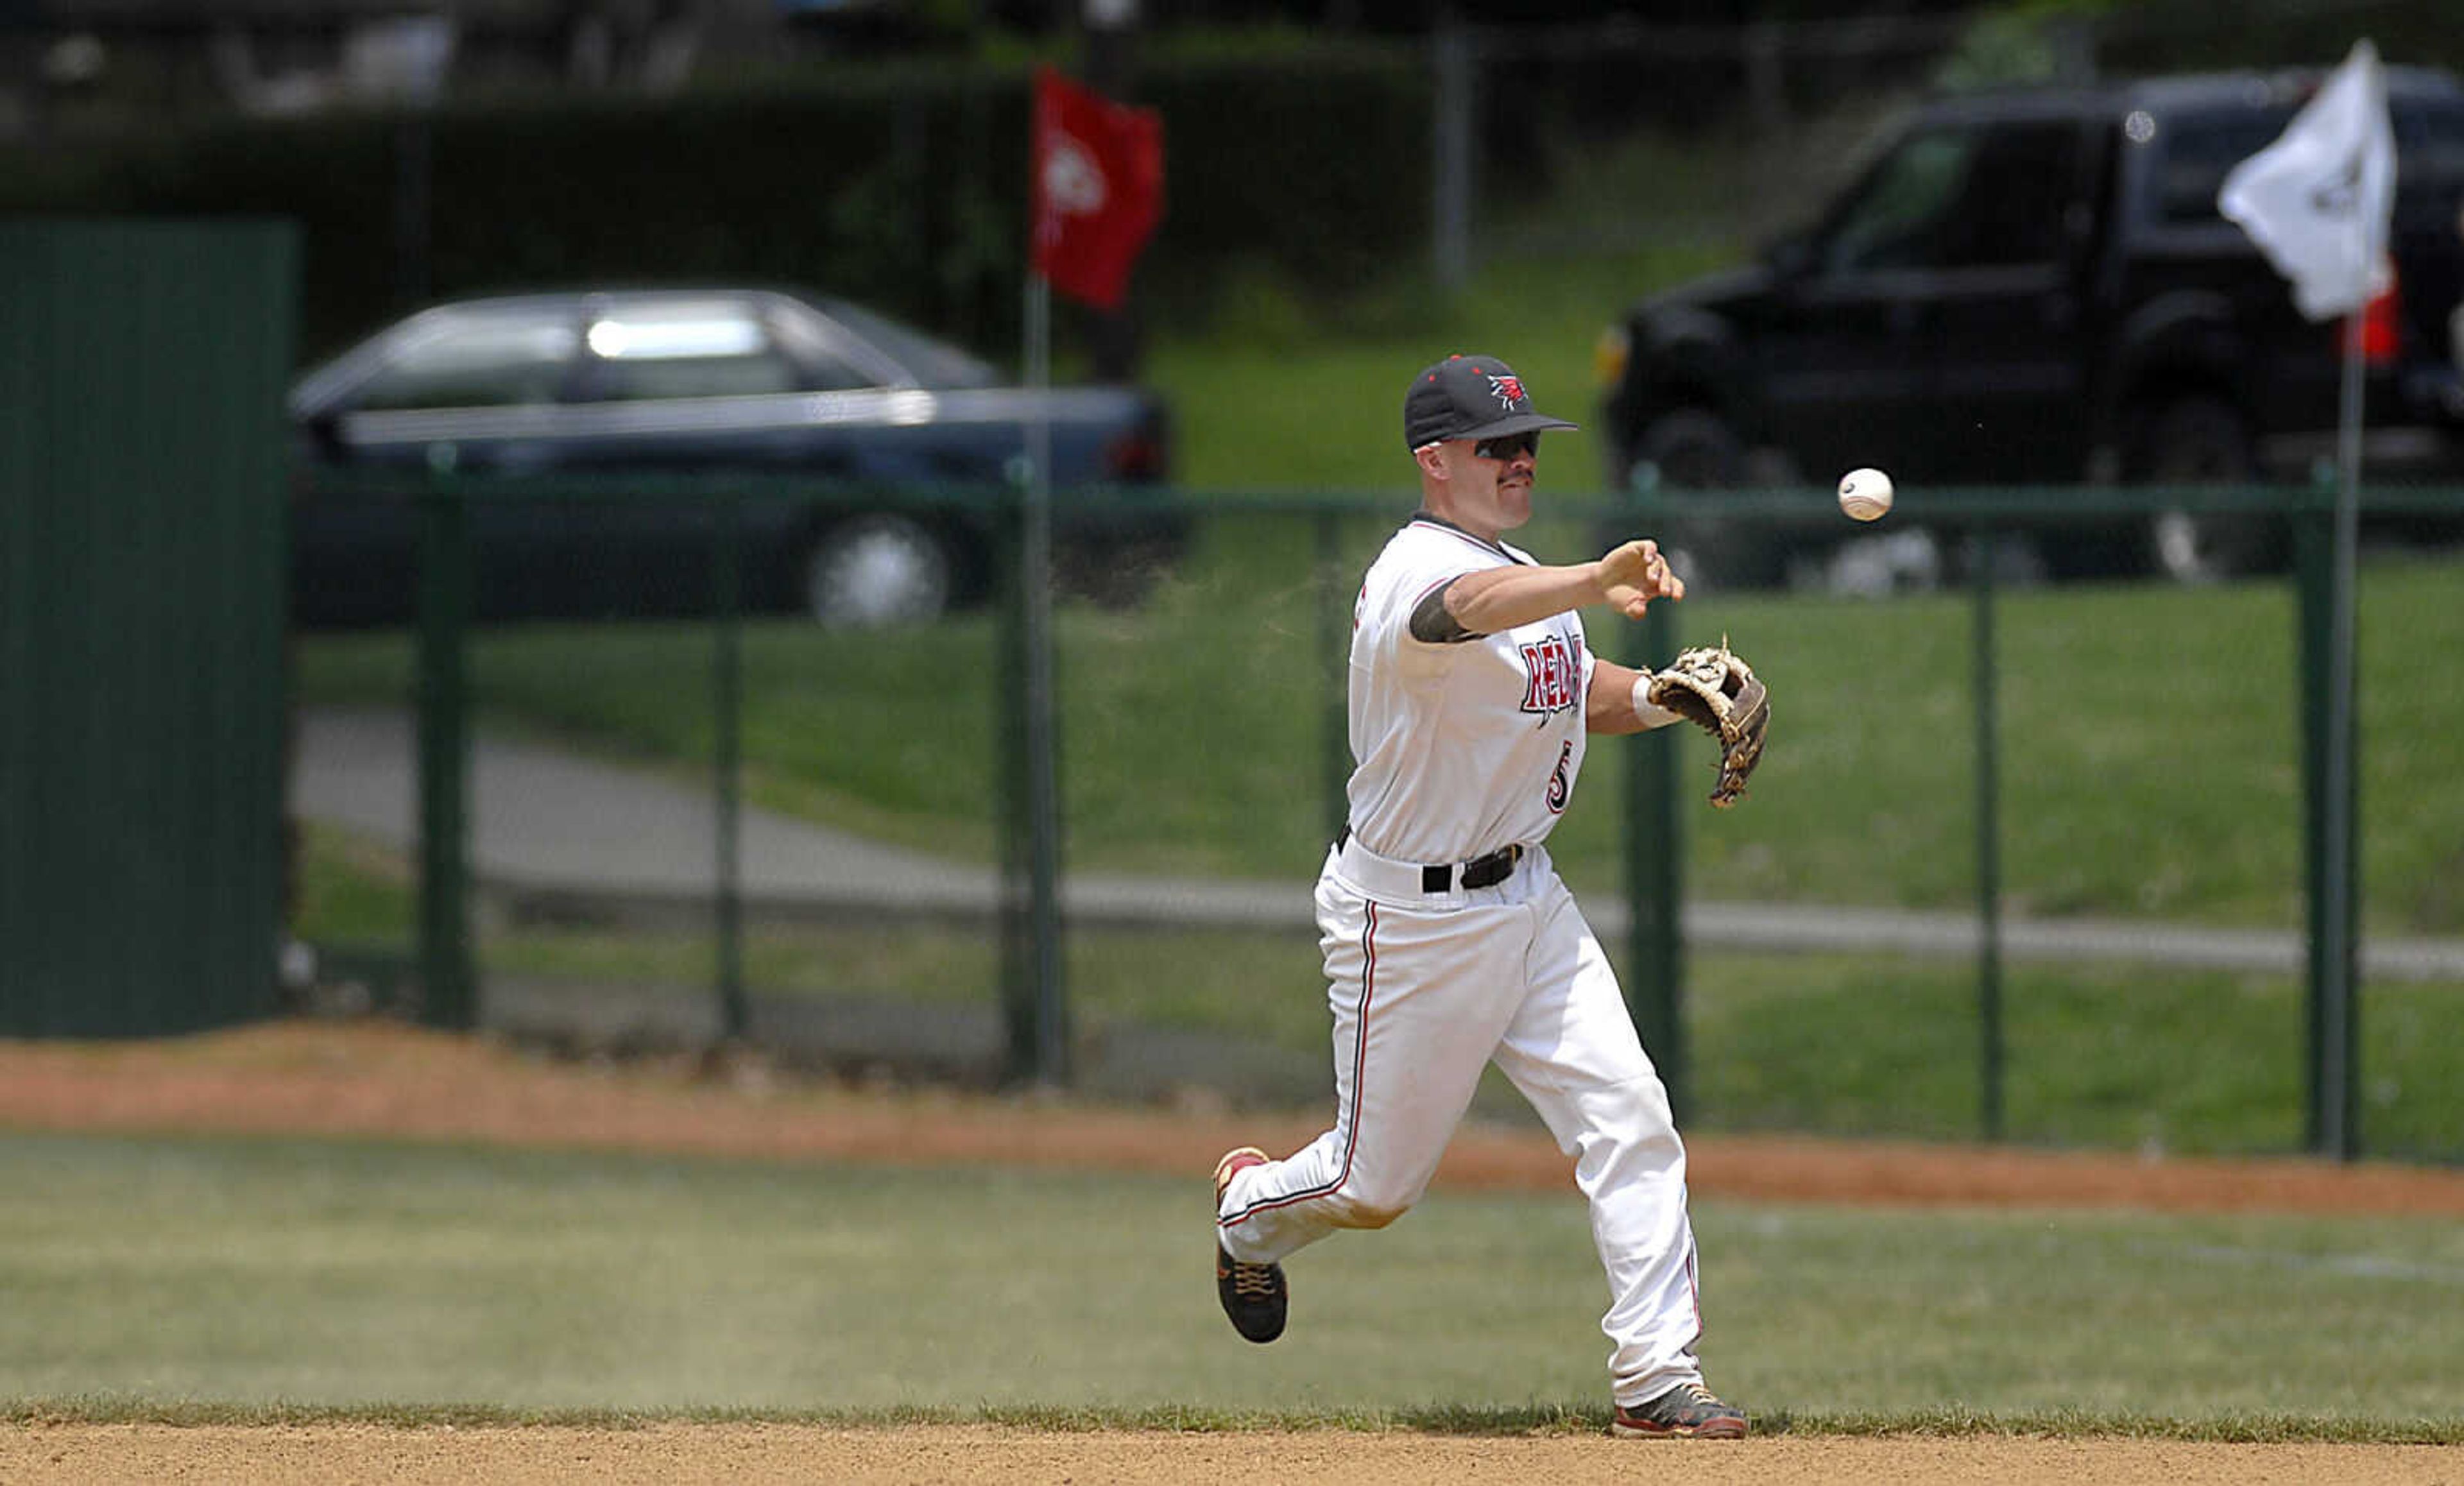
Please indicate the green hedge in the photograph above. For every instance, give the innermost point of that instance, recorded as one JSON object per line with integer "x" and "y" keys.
{"x": 904, "y": 189}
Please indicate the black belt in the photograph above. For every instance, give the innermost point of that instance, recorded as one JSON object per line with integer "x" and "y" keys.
{"x": 1479, "y": 872}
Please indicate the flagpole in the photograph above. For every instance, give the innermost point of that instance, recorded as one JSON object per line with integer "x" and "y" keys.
{"x": 1050, "y": 1044}
{"x": 2331, "y": 173}
{"x": 2335, "y": 1134}
{"x": 1096, "y": 189}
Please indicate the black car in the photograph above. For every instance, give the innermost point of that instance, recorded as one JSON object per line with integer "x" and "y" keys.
{"x": 2034, "y": 286}
{"x": 873, "y": 458}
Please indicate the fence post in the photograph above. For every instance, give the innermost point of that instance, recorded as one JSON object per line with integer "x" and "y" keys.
{"x": 447, "y": 994}
{"x": 727, "y": 669}
{"x": 1654, "y": 863}
{"x": 1989, "y": 842}
{"x": 1033, "y": 1005}
{"x": 1009, "y": 781}
{"x": 2333, "y": 1061}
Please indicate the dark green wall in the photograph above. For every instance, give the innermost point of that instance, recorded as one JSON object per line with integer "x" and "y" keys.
{"x": 142, "y": 480}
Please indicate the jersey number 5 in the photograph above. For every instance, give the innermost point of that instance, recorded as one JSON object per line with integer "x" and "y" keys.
{"x": 1560, "y": 786}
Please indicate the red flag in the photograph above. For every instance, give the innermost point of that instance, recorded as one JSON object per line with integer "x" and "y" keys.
{"x": 1098, "y": 189}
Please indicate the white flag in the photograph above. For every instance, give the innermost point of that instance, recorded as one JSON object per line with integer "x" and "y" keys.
{"x": 2317, "y": 200}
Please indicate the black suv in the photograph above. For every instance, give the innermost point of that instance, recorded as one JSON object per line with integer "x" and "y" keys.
{"x": 2034, "y": 286}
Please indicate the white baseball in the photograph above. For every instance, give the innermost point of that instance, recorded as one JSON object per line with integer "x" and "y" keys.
{"x": 1866, "y": 494}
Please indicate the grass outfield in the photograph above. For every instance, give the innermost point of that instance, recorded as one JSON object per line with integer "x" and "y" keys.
{"x": 186, "y": 1278}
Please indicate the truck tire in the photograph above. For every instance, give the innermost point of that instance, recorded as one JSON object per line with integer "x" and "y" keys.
{"x": 2203, "y": 440}
{"x": 1689, "y": 450}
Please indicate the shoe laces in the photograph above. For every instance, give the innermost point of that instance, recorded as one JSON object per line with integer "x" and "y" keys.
{"x": 1689, "y": 1397}
{"x": 1253, "y": 1281}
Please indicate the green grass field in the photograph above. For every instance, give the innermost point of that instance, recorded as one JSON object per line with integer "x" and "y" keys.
{"x": 404, "y": 1278}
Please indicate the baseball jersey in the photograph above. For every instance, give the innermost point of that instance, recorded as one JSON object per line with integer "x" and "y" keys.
{"x": 1466, "y": 747}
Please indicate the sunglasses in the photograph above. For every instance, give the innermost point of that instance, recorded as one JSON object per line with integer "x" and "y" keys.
{"x": 1506, "y": 445}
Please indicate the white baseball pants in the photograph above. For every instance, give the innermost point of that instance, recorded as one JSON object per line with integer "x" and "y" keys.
{"x": 1427, "y": 989}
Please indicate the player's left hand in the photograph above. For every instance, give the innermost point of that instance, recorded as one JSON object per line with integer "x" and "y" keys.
{"x": 1632, "y": 574}
{"x": 1717, "y": 691}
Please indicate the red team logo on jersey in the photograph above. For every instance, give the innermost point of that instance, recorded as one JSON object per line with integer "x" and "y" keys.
{"x": 1509, "y": 389}
{"x": 1552, "y": 671}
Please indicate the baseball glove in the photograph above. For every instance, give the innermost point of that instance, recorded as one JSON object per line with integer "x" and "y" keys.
{"x": 1718, "y": 692}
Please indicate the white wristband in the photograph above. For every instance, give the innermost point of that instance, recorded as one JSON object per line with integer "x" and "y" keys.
{"x": 1648, "y": 715}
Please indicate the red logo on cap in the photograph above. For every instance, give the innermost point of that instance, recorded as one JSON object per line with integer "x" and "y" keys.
{"x": 1509, "y": 389}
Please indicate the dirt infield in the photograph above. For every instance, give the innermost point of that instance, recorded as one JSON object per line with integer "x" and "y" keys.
{"x": 379, "y": 1078}
{"x": 970, "y": 1454}
{"x": 382, "y": 1078}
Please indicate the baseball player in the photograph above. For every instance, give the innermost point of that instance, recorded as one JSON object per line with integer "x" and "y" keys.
{"x": 1449, "y": 940}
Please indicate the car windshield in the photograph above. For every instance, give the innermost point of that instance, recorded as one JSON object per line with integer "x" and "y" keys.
{"x": 476, "y": 356}
{"x": 1891, "y": 223}
{"x": 1980, "y": 195}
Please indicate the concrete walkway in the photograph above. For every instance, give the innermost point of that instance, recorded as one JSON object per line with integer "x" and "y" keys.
{"x": 548, "y": 827}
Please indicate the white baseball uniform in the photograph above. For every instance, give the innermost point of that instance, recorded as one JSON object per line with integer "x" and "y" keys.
{"x": 1464, "y": 749}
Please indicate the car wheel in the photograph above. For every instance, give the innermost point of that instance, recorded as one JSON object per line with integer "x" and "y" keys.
{"x": 1695, "y": 450}
{"x": 877, "y": 570}
{"x": 2203, "y": 441}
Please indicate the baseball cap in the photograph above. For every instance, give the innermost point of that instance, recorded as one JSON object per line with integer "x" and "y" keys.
{"x": 1469, "y": 396}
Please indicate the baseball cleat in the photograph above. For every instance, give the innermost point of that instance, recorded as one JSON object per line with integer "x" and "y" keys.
{"x": 1689, "y": 1410}
{"x": 1253, "y": 1295}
